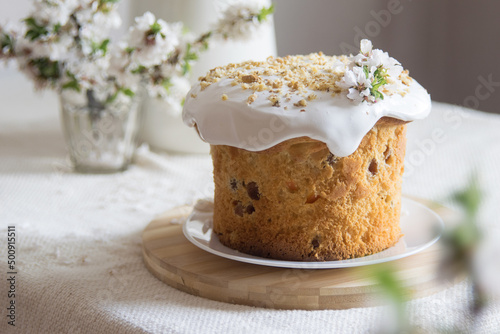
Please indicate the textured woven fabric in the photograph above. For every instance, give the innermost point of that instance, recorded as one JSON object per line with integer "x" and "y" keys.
{"x": 80, "y": 267}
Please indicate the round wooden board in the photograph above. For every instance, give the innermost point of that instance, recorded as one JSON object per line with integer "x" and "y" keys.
{"x": 174, "y": 260}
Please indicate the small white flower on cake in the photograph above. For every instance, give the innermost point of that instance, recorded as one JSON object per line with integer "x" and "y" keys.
{"x": 366, "y": 47}
{"x": 371, "y": 75}
{"x": 357, "y": 83}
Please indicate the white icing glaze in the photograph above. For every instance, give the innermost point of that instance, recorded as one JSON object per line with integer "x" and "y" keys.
{"x": 336, "y": 121}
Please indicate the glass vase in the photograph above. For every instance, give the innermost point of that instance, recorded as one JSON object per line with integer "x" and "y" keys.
{"x": 100, "y": 136}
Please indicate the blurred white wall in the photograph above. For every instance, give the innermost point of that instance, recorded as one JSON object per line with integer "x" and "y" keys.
{"x": 450, "y": 46}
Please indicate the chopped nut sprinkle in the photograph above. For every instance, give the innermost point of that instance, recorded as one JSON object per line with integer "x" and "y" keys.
{"x": 281, "y": 79}
{"x": 249, "y": 78}
{"x": 274, "y": 99}
{"x": 301, "y": 103}
{"x": 311, "y": 97}
{"x": 405, "y": 77}
{"x": 252, "y": 98}
{"x": 204, "y": 84}
{"x": 224, "y": 97}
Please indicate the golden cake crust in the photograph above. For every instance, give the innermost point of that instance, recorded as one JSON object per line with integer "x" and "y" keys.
{"x": 296, "y": 201}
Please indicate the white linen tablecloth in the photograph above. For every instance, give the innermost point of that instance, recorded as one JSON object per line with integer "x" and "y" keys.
{"x": 79, "y": 262}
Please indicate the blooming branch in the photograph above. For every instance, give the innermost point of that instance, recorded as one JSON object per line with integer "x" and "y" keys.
{"x": 65, "y": 45}
{"x": 240, "y": 20}
{"x": 371, "y": 75}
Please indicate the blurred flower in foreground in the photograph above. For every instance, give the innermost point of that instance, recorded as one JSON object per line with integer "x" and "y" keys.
{"x": 467, "y": 251}
{"x": 462, "y": 242}
{"x": 393, "y": 292}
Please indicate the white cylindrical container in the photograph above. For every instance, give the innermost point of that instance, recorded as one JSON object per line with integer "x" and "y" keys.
{"x": 162, "y": 127}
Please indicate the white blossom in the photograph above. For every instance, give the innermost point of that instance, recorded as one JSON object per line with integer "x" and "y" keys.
{"x": 56, "y": 48}
{"x": 152, "y": 40}
{"x": 354, "y": 95}
{"x": 10, "y": 32}
{"x": 369, "y": 68}
{"x": 99, "y": 25}
{"x": 89, "y": 72}
{"x": 239, "y": 20}
{"x": 366, "y": 47}
{"x": 169, "y": 70}
{"x": 95, "y": 28}
{"x": 52, "y": 12}
{"x": 357, "y": 84}
{"x": 86, "y": 13}
{"x": 120, "y": 68}
{"x": 107, "y": 21}
{"x": 355, "y": 77}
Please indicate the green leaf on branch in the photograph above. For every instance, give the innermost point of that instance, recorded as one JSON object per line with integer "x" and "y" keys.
{"x": 378, "y": 95}
{"x": 366, "y": 71}
{"x": 47, "y": 69}
{"x": 203, "y": 40}
{"x": 465, "y": 236}
{"x": 73, "y": 83}
{"x": 469, "y": 198}
{"x": 167, "y": 84}
{"x": 34, "y": 30}
{"x": 6, "y": 43}
{"x": 155, "y": 28}
{"x": 188, "y": 57}
{"x": 381, "y": 74}
{"x": 379, "y": 79}
{"x": 103, "y": 2}
{"x": 389, "y": 283}
{"x": 204, "y": 46}
{"x": 139, "y": 70}
{"x": 265, "y": 12}
{"x": 112, "y": 98}
{"x": 464, "y": 239}
{"x": 104, "y": 5}
{"x": 186, "y": 68}
{"x": 103, "y": 46}
{"x": 126, "y": 91}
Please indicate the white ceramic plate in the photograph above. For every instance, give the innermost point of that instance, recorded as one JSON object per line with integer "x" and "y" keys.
{"x": 421, "y": 227}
